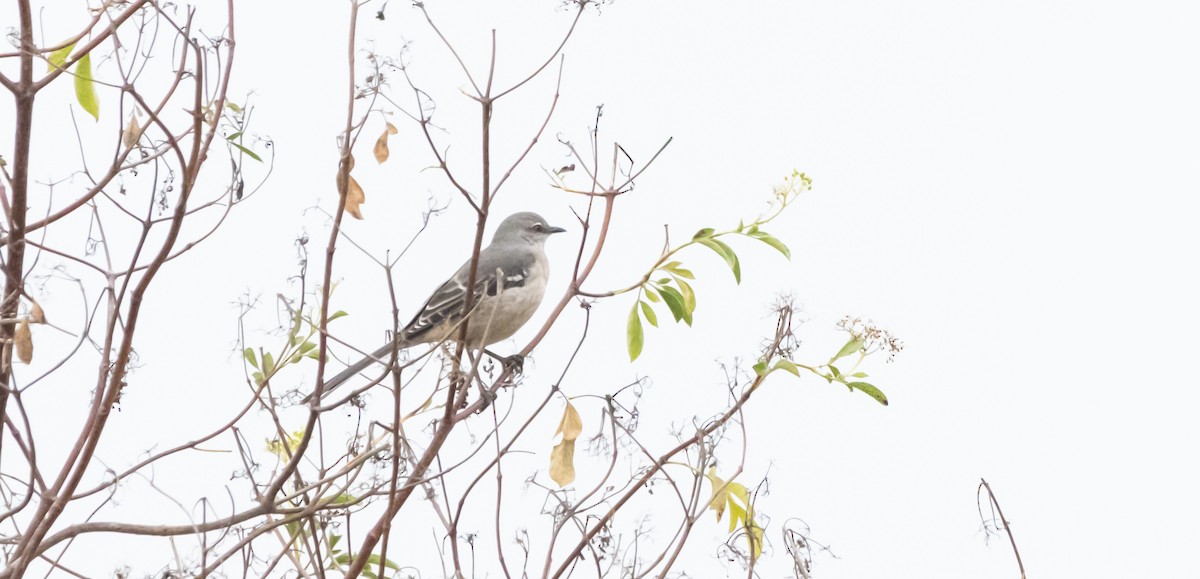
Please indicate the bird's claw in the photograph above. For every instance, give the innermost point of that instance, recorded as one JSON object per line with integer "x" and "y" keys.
{"x": 515, "y": 363}
{"x": 487, "y": 396}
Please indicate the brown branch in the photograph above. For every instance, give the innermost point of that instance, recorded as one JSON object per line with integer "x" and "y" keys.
{"x": 449, "y": 46}
{"x": 582, "y": 4}
{"x": 111, "y": 378}
{"x": 983, "y": 485}
{"x": 537, "y": 135}
{"x": 14, "y": 263}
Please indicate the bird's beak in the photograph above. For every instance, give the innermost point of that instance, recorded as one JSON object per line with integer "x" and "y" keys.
{"x": 557, "y": 230}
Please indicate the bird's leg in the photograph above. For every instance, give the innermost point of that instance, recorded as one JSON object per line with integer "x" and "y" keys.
{"x": 484, "y": 394}
{"x": 515, "y": 362}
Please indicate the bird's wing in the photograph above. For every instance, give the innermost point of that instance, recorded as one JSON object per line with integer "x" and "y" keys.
{"x": 497, "y": 271}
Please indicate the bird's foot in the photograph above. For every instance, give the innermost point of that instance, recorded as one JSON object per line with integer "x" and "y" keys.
{"x": 515, "y": 363}
{"x": 487, "y": 397}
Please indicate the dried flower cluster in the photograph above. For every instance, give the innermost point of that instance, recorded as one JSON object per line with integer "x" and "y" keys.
{"x": 875, "y": 339}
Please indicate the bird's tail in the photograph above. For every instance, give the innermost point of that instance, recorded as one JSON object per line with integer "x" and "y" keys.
{"x": 380, "y": 356}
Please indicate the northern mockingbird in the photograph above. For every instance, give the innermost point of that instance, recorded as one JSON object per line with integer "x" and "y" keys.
{"x": 509, "y": 283}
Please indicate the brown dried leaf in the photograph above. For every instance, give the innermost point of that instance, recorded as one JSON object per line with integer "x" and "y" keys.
{"x": 391, "y": 129}
{"x": 132, "y": 133}
{"x": 381, "y": 147}
{"x": 354, "y": 198}
{"x": 36, "y": 314}
{"x": 355, "y": 195}
{"x": 571, "y": 426}
{"x": 344, "y": 168}
{"x": 562, "y": 457}
{"x": 23, "y": 340}
{"x": 562, "y": 463}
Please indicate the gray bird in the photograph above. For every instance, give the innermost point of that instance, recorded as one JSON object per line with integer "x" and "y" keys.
{"x": 509, "y": 284}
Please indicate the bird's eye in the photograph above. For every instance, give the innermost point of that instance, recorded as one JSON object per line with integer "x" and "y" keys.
{"x": 537, "y": 227}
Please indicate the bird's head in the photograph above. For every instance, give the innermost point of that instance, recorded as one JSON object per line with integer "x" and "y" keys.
{"x": 525, "y": 227}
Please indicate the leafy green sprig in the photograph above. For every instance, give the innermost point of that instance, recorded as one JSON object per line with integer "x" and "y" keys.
{"x": 667, "y": 281}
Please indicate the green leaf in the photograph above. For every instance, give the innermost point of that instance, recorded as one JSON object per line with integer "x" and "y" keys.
{"x": 870, "y": 390}
{"x": 859, "y": 375}
{"x": 704, "y": 233}
{"x": 651, "y": 294}
{"x": 674, "y": 268}
{"x": 633, "y": 334}
{"x": 648, "y": 312}
{"x": 373, "y": 561}
{"x": 337, "y": 314}
{"x": 677, "y": 303}
{"x": 333, "y": 541}
{"x": 233, "y": 137}
{"x": 689, "y": 299}
{"x": 58, "y": 57}
{"x": 85, "y": 88}
{"x": 726, "y": 253}
{"x": 761, "y": 368}
{"x": 248, "y": 152}
{"x": 789, "y": 366}
{"x": 773, "y": 242}
{"x": 248, "y": 354}
{"x": 258, "y": 377}
{"x": 854, "y": 345}
{"x": 268, "y": 363}
{"x": 233, "y": 107}
{"x": 306, "y": 347}
{"x": 836, "y": 373}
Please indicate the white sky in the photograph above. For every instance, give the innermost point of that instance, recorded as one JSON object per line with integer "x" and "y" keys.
{"x": 1008, "y": 187}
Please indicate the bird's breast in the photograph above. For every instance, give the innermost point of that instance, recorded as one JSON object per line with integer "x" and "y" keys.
{"x": 513, "y": 304}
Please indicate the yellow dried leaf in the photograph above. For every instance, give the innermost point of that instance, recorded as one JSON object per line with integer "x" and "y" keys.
{"x": 736, "y": 516}
{"x": 562, "y": 457}
{"x": 755, "y": 536}
{"x": 132, "y": 133}
{"x": 720, "y": 493}
{"x": 23, "y": 340}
